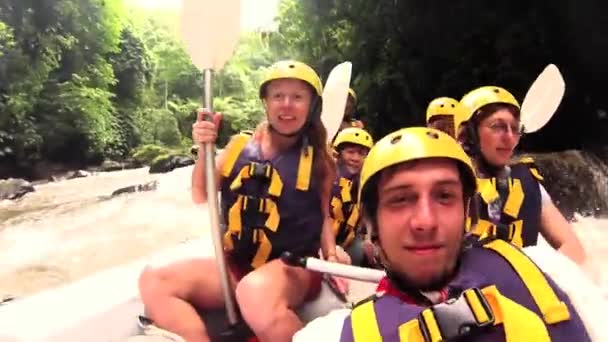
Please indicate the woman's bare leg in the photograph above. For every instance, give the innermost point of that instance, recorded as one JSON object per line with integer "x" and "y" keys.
{"x": 268, "y": 296}
{"x": 173, "y": 293}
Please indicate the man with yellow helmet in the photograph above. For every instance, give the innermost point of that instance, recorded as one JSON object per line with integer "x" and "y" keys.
{"x": 513, "y": 204}
{"x": 440, "y": 285}
{"x": 275, "y": 188}
{"x": 351, "y": 146}
{"x": 444, "y": 113}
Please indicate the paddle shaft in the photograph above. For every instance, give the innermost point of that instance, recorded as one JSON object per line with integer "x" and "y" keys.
{"x": 214, "y": 212}
{"x": 346, "y": 271}
{"x": 332, "y": 268}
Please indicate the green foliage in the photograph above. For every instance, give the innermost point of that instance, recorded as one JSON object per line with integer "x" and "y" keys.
{"x": 145, "y": 154}
{"x": 83, "y": 80}
{"x": 88, "y": 80}
{"x": 405, "y": 53}
{"x": 6, "y": 38}
{"x": 161, "y": 158}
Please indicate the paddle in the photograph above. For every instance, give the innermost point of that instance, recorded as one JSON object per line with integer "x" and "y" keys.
{"x": 210, "y": 30}
{"x": 542, "y": 99}
{"x": 335, "y": 94}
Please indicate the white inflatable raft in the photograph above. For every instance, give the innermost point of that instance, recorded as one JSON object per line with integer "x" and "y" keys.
{"x": 105, "y": 307}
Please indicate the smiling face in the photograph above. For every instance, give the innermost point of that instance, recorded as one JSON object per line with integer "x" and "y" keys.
{"x": 287, "y": 103}
{"x": 420, "y": 218}
{"x": 352, "y": 157}
{"x": 499, "y": 134}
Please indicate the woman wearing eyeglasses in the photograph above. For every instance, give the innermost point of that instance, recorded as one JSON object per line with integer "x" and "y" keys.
{"x": 513, "y": 204}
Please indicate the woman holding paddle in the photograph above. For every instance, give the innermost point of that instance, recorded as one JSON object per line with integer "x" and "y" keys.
{"x": 275, "y": 188}
{"x": 513, "y": 204}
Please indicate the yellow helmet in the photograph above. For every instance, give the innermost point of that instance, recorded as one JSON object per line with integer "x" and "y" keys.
{"x": 414, "y": 143}
{"x": 352, "y": 93}
{"x": 292, "y": 69}
{"x": 444, "y": 106}
{"x": 354, "y": 135}
{"x": 483, "y": 96}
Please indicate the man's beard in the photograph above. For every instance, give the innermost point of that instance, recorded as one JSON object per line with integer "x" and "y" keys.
{"x": 436, "y": 283}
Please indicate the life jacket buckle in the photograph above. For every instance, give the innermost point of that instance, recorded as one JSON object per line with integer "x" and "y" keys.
{"x": 260, "y": 170}
{"x": 456, "y": 317}
{"x": 252, "y": 205}
{"x": 503, "y": 231}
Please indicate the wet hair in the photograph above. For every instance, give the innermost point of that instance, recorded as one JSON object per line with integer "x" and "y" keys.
{"x": 323, "y": 162}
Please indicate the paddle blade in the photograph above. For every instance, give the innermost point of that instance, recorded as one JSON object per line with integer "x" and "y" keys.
{"x": 542, "y": 99}
{"x": 335, "y": 94}
{"x": 210, "y": 31}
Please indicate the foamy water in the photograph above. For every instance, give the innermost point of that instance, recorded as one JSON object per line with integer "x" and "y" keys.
{"x": 67, "y": 230}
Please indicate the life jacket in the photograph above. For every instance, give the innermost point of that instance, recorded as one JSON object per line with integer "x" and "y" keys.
{"x": 498, "y": 294}
{"x": 344, "y": 208}
{"x": 517, "y": 204}
{"x": 269, "y": 206}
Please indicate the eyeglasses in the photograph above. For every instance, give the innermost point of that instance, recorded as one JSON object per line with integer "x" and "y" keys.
{"x": 501, "y": 127}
